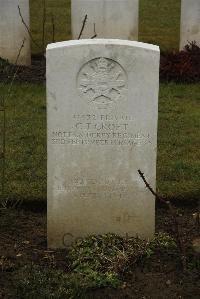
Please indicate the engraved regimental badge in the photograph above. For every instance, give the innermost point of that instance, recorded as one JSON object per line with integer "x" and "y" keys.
{"x": 102, "y": 82}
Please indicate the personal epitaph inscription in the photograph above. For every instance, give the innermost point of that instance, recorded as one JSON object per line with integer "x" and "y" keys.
{"x": 102, "y": 81}
{"x": 102, "y": 127}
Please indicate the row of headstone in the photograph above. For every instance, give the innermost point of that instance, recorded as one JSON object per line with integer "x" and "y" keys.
{"x": 119, "y": 19}
{"x": 105, "y": 18}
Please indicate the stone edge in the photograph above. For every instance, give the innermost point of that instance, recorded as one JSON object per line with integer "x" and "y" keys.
{"x": 102, "y": 41}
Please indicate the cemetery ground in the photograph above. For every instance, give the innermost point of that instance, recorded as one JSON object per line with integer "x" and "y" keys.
{"x": 102, "y": 266}
{"x": 105, "y": 267}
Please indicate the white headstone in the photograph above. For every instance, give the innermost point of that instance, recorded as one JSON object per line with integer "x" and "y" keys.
{"x": 13, "y": 31}
{"x": 112, "y": 18}
{"x": 102, "y": 127}
{"x": 190, "y": 22}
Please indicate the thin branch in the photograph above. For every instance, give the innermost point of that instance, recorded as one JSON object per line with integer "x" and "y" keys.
{"x": 83, "y": 26}
{"x": 20, "y": 50}
{"x": 173, "y": 213}
{"x": 53, "y": 28}
{"x": 147, "y": 185}
{"x": 95, "y": 34}
{"x": 17, "y": 69}
{"x": 43, "y": 25}
{"x": 29, "y": 32}
{"x": 15, "y": 63}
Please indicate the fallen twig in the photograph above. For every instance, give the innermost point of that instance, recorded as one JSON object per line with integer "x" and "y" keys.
{"x": 173, "y": 213}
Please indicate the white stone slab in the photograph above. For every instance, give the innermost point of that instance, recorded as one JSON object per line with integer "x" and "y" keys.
{"x": 112, "y": 18}
{"x": 190, "y": 22}
{"x": 102, "y": 127}
{"x": 13, "y": 32}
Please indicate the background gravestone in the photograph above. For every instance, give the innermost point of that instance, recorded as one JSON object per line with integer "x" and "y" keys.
{"x": 190, "y": 22}
{"x": 13, "y": 32}
{"x": 102, "y": 127}
{"x": 112, "y": 18}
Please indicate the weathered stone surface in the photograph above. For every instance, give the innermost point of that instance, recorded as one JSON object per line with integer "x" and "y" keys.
{"x": 190, "y": 22}
{"x": 13, "y": 31}
{"x": 112, "y": 18}
{"x": 102, "y": 127}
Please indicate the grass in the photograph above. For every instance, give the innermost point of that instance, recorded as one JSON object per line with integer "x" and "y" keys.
{"x": 159, "y": 22}
{"x": 60, "y": 10}
{"x": 178, "y": 168}
{"x": 26, "y": 142}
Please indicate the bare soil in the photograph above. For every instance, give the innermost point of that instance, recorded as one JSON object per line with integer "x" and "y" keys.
{"x": 23, "y": 241}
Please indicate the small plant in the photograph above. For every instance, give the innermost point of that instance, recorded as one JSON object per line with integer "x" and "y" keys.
{"x": 36, "y": 282}
{"x": 105, "y": 258}
{"x": 183, "y": 66}
{"x": 4, "y": 63}
{"x": 194, "y": 263}
{"x": 162, "y": 242}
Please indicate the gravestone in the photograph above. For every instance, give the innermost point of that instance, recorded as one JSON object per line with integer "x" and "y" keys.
{"x": 111, "y": 18}
{"x": 190, "y": 22}
{"x": 13, "y": 31}
{"x": 102, "y": 127}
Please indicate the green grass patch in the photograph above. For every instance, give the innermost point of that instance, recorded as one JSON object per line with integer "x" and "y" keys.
{"x": 25, "y": 142}
{"x": 60, "y": 10}
{"x": 178, "y": 167}
{"x": 159, "y": 23}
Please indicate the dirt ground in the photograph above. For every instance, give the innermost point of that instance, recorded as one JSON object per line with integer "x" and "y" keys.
{"x": 23, "y": 241}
